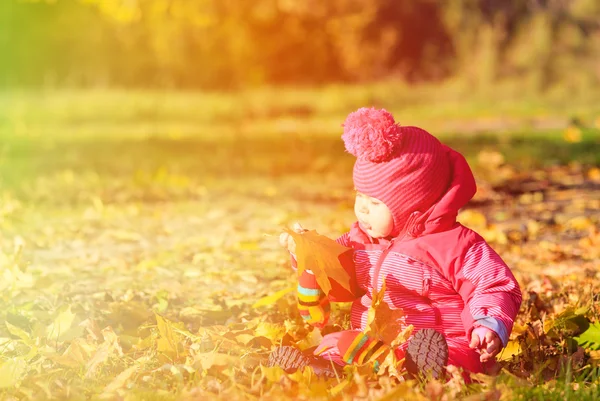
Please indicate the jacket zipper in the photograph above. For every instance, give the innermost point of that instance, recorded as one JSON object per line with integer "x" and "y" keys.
{"x": 426, "y": 285}
{"x": 385, "y": 252}
{"x": 379, "y": 263}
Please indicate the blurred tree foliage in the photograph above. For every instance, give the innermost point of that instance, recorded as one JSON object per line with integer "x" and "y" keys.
{"x": 229, "y": 44}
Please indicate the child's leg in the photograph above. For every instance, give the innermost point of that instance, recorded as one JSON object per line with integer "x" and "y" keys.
{"x": 460, "y": 355}
{"x": 451, "y": 351}
{"x": 351, "y": 346}
{"x": 425, "y": 353}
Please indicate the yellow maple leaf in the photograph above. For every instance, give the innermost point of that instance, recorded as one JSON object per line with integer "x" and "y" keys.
{"x": 384, "y": 322}
{"x": 391, "y": 366}
{"x": 513, "y": 348}
{"x": 323, "y": 256}
{"x": 594, "y": 357}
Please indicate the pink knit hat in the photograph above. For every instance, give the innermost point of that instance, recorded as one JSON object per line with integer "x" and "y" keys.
{"x": 405, "y": 167}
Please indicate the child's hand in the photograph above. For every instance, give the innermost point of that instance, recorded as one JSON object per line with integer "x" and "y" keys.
{"x": 287, "y": 241}
{"x": 487, "y": 341}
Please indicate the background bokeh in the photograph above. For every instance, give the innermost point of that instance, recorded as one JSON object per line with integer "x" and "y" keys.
{"x": 212, "y": 44}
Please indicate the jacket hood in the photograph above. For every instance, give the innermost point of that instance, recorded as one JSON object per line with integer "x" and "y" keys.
{"x": 442, "y": 214}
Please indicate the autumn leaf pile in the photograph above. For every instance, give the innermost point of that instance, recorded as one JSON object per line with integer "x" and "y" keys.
{"x": 128, "y": 272}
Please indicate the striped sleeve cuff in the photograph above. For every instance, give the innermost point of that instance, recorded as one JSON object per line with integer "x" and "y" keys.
{"x": 493, "y": 324}
{"x": 313, "y": 305}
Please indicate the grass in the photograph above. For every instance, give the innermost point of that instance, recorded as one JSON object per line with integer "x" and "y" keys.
{"x": 106, "y": 163}
{"x": 124, "y": 205}
{"x": 108, "y": 113}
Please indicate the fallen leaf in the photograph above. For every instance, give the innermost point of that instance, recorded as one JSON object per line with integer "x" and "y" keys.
{"x": 313, "y": 339}
{"x": 383, "y": 322}
{"x": 590, "y": 338}
{"x": 22, "y": 334}
{"x": 63, "y": 329}
{"x": 339, "y": 387}
{"x": 108, "y": 348}
{"x": 244, "y": 338}
{"x": 99, "y": 357}
{"x": 271, "y": 331}
{"x": 74, "y": 356}
{"x": 207, "y": 360}
{"x": 391, "y": 366}
{"x": 595, "y": 357}
{"x": 513, "y": 348}
{"x": 11, "y": 372}
{"x": 169, "y": 339}
{"x": 323, "y": 256}
{"x": 401, "y": 391}
{"x": 120, "y": 381}
{"x": 273, "y": 298}
{"x": 272, "y": 374}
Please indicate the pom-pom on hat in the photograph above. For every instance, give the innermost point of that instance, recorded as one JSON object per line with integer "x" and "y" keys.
{"x": 406, "y": 168}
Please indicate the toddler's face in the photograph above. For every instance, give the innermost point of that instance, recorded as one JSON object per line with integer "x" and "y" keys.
{"x": 373, "y": 216}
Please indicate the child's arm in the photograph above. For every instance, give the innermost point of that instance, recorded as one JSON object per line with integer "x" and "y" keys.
{"x": 338, "y": 293}
{"x": 491, "y": 293}
{"x": 313, "y": 303}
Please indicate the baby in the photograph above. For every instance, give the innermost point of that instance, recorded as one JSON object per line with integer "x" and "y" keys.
{"x": 441, "y": 275}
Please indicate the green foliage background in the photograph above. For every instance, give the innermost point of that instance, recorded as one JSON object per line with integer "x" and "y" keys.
{"x": 230, "y": 44}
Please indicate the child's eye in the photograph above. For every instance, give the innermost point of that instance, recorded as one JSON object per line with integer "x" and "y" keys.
{"x": 375, "y": 203}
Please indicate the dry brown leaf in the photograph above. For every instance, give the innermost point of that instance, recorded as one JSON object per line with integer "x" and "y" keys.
{"x": 384, "y": 322}
{"x": 595, "y": 358}
{"x": 323, "y": 256}
{"x": 207, "y": 360}
{"x": 76, "y": 354}
{"x": 121, "y": 380}
{"x": 391, "y": 366}
{"x": 313, "y": 339}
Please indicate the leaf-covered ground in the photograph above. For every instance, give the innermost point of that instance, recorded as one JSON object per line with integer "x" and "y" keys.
{"x": 148, "y": 267}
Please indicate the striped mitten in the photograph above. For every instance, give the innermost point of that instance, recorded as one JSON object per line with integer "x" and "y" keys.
{"x": 313, "y": 304}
